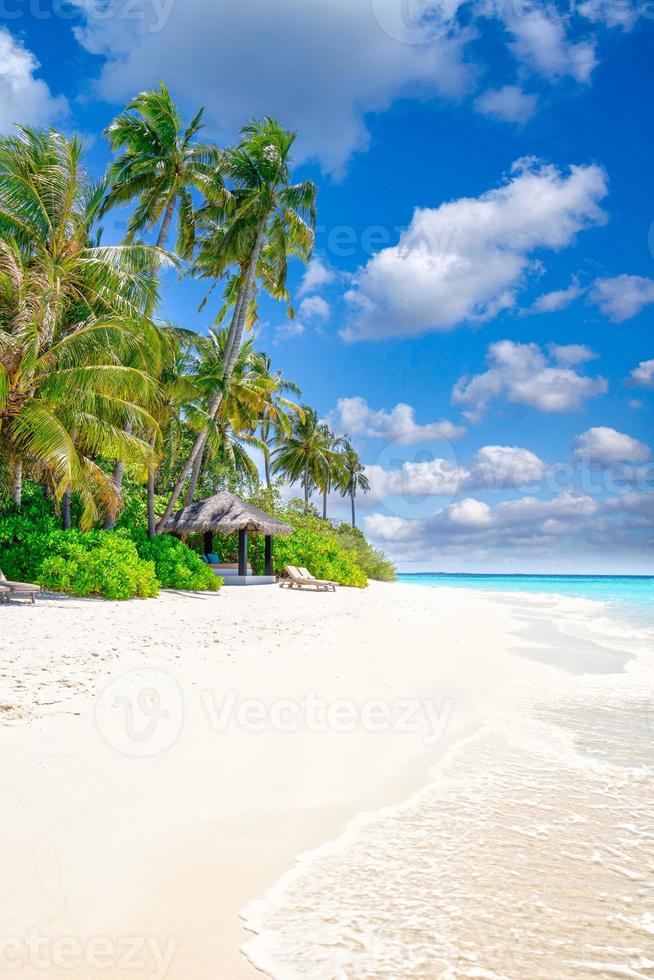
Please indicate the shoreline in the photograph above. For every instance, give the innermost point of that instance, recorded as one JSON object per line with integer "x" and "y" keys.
{"x": 211, "y": 822}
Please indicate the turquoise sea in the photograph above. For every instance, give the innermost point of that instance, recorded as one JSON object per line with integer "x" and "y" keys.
{"x": 623, "y": 592}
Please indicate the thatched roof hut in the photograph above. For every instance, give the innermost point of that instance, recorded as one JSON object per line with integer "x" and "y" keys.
{"x": 224, "y": 513}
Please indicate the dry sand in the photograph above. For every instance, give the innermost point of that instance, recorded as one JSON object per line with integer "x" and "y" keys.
{"x": 144, "y": 804}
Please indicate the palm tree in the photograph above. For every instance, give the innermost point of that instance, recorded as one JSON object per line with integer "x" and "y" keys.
{"x": 332, "y": 470}
{"x": 265, "y": 218}
{"x": 160, "y": 163}
{"x": 69, "y": 322}
{"x": 353, "y": 477}
{"x": 306, "y": 454}
{"x": 277, "y": 413}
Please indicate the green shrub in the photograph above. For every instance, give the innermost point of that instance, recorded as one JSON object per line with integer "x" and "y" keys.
{"x": 177, "y": 567}
{"x": 115, "y": 564}
{"x": 102, "y": 563}
{"x": 322, "y": 555}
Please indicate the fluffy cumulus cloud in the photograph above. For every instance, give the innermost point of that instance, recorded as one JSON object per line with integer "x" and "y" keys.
{"x": 509, "y": 522}
{"x": 314, "y": 308}
{"x": 23, "y": 97}
{"x": 570, "y": 354}
{"x": 492, "y": 468}
{"x": 540, "y": 40}
{"x": 523, "y": 374}
{"x": 322, "y": 67}
{"x": 465, "y": 260}
{"x": 557, "y": 299}
{"x": 357, "y": 418}
{"x": 319, "y": 67}
{"x": 318, "y": 274}
{"x": 508, "y": 104}
{"x": 622, "y": 297}
{"x": 604, "y": 446}
{"x": 643, "y": 374}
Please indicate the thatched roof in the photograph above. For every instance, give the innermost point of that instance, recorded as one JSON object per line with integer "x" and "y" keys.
{"x": 224, "y": 513}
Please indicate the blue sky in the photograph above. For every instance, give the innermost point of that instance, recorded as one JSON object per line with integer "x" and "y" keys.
{"x": 478, "y": 315}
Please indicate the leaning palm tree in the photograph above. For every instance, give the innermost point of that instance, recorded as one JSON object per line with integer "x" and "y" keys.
{"x": 160, "y": 162}
{"x": 353, "y": 477}
{"x": 304, "y": 456}
{"x": 70, "y": 320}
{"x": 264, "y": 219}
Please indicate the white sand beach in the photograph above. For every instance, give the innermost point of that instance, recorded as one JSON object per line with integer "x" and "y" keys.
{"x": 165, "y": 761}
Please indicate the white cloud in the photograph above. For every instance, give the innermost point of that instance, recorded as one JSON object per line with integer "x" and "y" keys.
{"x": 492, "y": 468}
{"x": 318, "y": 67}
{"x": 622, "y": 297}
{"x": 570, "y": 354}
{"x": 314, "y": 308}
{"x": 288, "y": 330}
{"x": 541, "y": 43}
{"x": 522, "y": 521}
{"x": 609, "y": 13}
{"x": 521, "y": 374}
{"x": 605, "y": 447}
{"x": 465, "y": 260}
{"x": 643, "y": 375}
{"x": 24, "y": 98}
{"x": 508, "y": 104}
{"x": 354, "y": 416}
{"x": 557, "y": 299}
{"x": 317, "y": 275}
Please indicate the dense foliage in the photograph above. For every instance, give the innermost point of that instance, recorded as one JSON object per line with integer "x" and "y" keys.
{"x": 119, "y": 417}
{"x": 334, "y": 551}
{"x": 115, "y": 564}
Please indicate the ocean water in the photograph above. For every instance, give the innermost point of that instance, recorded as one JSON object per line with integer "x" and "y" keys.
{"x": 529, "y": 854}
{"x": 635, "y": 592}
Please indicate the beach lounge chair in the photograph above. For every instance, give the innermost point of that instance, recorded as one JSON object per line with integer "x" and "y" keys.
{"x": 300, "y": 577}
{"x": 24, "y": 588}
{"x": 4, "y": 593}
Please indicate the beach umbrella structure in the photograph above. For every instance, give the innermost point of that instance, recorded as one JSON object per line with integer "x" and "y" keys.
{"x": 225, "y": 513}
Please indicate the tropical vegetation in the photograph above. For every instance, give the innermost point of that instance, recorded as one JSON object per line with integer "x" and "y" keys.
{"x": 111, "y": 417}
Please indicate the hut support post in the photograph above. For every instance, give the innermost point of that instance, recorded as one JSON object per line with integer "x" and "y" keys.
{"x": 242, "y": 552}
{"x": 268, "y": 555}
{"x": 208, "y": 542}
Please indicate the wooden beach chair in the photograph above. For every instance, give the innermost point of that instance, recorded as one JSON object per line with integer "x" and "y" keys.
{"x": 21, "y": 588}
{"x": 296, "y": 579}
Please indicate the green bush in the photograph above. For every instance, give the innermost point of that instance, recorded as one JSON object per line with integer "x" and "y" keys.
{"x": 322, "y": 555}
{"x": 102, "y": 563}
{"x": 115, "y": 564}
{"x": 177, "y": 567}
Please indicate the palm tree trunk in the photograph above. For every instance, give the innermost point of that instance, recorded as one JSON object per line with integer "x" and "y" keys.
{"x": 117, "y": 478}
{"x": 65, "y": 511}
{"x": 151, "y": 521}
{"x": 324, "y": 504}
{"x": 238, "y": 323}
{"x": 266, "y": 467}
{"x": 195, "y": 476}
{"x": 306, "y": 487}
{"x": 354, "y": 519}
{"x": 17, "y": 484}
{"x": 165, "y": 224}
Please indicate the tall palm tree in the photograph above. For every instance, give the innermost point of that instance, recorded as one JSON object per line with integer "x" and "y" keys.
{"x": 265, "y": 219}
{"x": 160, "y": 162}
{"x": 331, "y": 472}
{"x": 277, "y": 413}
{"x": 353, "y": 477}
{"x": 70, "y": 319}
{"x": 305, "y": 454}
